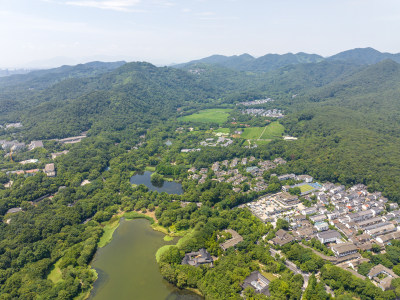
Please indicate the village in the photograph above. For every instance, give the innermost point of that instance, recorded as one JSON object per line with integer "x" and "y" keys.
{"x": 272, "y": 113}
{"x": 13, "y": 147}
{"x": 256, "y": 102}
{"x": 347, "y": 221}
{"x": 245, "y": 174}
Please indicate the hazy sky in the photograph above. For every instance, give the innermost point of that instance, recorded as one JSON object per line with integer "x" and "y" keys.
{"x": 33, "y": 32}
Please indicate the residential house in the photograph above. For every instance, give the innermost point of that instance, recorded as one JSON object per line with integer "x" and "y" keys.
{"x": 282, "y": 237}
{"x": 384, "y": 283}
{"x": 305, "y": 178}
{"x": 309, "y": 211}
{"x": 198, "y": 258}
{"x": 329, "y": 236}
{"x": 257, "y": 282}
{"x": 286, "y": 177}
{"x": 236, "y": 239}
{"x": 381, "y": 230}
{"x": 318, "y": 218}
{"x": 321, "y": 226}
{"x": 35, "y": 144}
{"x": 386, "y": 238}
{"x": 50, "y": 170}
{"x": 341, "y": 250}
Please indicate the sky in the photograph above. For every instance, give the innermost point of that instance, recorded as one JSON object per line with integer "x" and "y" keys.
{"x": 47, "y": 33}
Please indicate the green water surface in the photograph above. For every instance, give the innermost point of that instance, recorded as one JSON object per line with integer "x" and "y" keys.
{"x": 127, "y": 267}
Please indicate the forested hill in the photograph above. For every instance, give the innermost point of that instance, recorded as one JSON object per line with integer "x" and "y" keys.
{"x": 44, "y": 78}
{"x": 270, "y": 62}
{"x": 364, "y": 56}
{"x": 266, "y": 63}
{"x": 133, "y": 94}
{"x": 350, "y": 129}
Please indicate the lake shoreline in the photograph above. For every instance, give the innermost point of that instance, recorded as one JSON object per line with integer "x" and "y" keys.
{"x": 128, "y": 216}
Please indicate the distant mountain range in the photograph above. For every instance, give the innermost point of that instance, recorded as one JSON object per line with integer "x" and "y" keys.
{"x": 270, "y": 62}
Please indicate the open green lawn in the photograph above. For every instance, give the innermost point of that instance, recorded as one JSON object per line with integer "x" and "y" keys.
{"x": 55, "y": 274}
{"x": 305, "y": 188}
{"x": 252, "y": 133}
{"x": 219, "y": 116}
{"x": 269, "y": 276}
{"x": 271, "y": 131}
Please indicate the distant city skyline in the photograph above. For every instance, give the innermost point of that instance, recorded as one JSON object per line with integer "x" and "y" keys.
{"x": 49, "y": 33}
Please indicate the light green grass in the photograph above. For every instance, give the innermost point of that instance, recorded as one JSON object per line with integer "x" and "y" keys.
{"x": 108, "y": 233}
{"x": 269, "y": 276}
{"x": 252, "y": 133}
{"x": 168, "y": 238}
{"x": 273, "y": 130}
{"x": 219, "y": 116}
{"x": 161, "y": 251}
{"x": 56, "y": 274}
{"x": 305, "y": 188}
{"x": 150, "y": 168}
{"x": 187, "y": 234}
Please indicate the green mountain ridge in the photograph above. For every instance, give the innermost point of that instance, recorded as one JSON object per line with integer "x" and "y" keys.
{"x": 270, "y": 62}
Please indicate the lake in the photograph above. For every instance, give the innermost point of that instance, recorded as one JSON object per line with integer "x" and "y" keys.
{"x": 171, "y": 187}
{"x": 127, "y": 267}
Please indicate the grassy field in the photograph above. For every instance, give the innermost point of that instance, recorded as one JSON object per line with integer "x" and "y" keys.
{"x": 168, "y": 238}
{"x": 305, "y": 188}
{"x": 269, "y": 132}
{"x": 273, "y": 130}
{"x": 252, "y": 133}
{"x": 186, "y": 235}
{"x": 269, "y": 276}
{"x": 108, "y": 233}
{"x": 219, "y": 116}
{"x": 55, "y": 274}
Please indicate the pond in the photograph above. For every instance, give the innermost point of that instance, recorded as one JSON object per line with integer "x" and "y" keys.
{"x": 171, "y": 187}
{"x": 127, "y": 267}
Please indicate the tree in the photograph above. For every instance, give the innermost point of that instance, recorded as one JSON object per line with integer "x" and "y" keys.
{"x": 282, "y": 224}
{"x": 157, "y": 179}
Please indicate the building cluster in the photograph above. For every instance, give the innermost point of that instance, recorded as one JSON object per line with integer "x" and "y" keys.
{"x": 347, "y": 221}
{"x": 186, "y": 150}
{"x": 49, "y": 170}
{"x": 272, "y": 113}
{"x": 13, "y": 125}
{"x": 214, "y": 142}
{"x": 238, "y": 172}
{"x": 256, "y": 102}
{"x": 16, "y": 146}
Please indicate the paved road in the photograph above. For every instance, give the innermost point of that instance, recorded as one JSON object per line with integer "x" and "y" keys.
{"x": 292, "y": 266}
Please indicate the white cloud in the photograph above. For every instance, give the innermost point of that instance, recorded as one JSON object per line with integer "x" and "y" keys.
{"x": 116, "y": 5}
